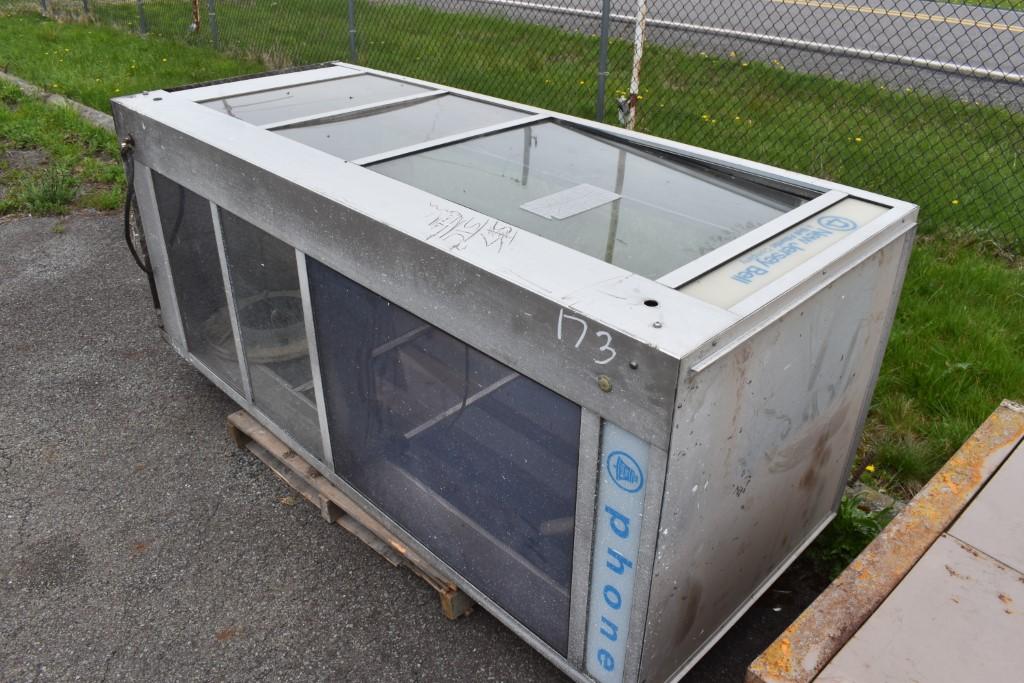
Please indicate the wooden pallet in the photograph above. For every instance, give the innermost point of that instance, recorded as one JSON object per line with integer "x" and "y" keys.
{"x": 337, "y": 508}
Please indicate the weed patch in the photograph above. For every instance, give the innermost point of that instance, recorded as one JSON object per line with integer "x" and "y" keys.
{"x": 847, "y": 535}
{"x": 52, "y": 161}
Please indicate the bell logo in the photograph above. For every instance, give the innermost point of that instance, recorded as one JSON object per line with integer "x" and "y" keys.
{"x": 625, "y": 472}
{"x": 837, "y": 223}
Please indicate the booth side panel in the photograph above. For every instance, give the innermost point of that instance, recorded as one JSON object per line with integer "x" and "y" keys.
{"x": 149, "y": 219}
{"x": 761, "y": 445}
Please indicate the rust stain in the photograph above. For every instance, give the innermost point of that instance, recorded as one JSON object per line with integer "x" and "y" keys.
{"x": 775, "y": 663}
{"x": 821, "y": 456}
{"x": 140, "y": 547}
{"x": 227, "y": 633}
{"x": 811, "y": 641}
{"x": 1005, "y": 599}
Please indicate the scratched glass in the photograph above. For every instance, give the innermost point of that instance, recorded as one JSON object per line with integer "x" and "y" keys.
{"x": 265, "y": 285}
{"x": 187, "y": 225}
{"x": 645, "y": 211}
{"x": 309, "y": 99}
{"x": 473, "y": 459}
{"x": 402, "y": 126}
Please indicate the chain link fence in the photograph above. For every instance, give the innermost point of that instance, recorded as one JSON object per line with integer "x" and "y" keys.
{"x": 915, "y": 99}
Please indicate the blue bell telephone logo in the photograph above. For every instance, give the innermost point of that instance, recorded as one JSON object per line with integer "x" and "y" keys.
{"x": 625, "y": 472}
{"x": 837, "y": 223}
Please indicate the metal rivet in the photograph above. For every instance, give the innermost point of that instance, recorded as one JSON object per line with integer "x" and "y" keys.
{"x": 633, "y": 365}
{"x": 604, "y": 383}
{"x": 657, "y": 323}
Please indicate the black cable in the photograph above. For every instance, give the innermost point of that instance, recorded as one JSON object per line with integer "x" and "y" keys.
{"x": 127, "y": 147}
{"x": 127, "y": 157}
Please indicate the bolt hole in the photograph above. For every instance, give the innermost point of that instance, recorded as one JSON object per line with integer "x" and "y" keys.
{"x": 650, "y": 303}
{"x": 157, "y": 99}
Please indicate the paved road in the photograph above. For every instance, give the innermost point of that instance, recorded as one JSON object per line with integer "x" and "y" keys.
{"x": 982, "y": 37}
{"x": 137, "y": 544}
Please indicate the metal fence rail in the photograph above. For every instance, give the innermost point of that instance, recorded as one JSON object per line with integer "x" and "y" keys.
{"x": 917, "y": 99}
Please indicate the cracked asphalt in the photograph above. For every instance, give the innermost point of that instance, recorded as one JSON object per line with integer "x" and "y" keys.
{"x": 137, "y": 543}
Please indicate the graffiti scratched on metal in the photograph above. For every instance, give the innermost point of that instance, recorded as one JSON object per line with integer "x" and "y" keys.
{"x": 811, "y": 641}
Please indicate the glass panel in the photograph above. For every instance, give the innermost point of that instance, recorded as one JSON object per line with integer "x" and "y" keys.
{"x": 265, "y": 284}
{"x": 198, "y": 284}
{"x": 647, "y": 213}
{"x": 400, "y": 127}
{"x": 308, "y": 99}
{"x": 476, "y": 461}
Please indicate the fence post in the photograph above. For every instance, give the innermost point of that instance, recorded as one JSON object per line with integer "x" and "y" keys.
{"x": 214, "y": 31}
{"x": 602, "y": 58}
{"x": 143, "y": 28}
{"x": 353, "y": 55}
{"x": 639, "y": 37}
{"x": 43, "y": 8}
{"x": 85, "y": 6}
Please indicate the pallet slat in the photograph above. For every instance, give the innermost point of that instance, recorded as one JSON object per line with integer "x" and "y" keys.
{"x": 337, "y": 508}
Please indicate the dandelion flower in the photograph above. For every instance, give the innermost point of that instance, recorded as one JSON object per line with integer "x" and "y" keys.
{"x": 857, "y": 139}
{"x": 955, "y": 202}
{"x": 870, "y": 468}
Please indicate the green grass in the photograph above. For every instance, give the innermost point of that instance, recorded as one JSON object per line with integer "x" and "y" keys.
{"x": 92, "y": 64}
{"x": 1017, "y": 5}
{"x": 956, "y": 344}
{"x": 963, "y": 163}
{"x": 956, "y": 348}
{"x": 76, "y": 164}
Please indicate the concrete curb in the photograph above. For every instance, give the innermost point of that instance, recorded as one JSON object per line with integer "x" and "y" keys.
{"x": 97, "y": 118}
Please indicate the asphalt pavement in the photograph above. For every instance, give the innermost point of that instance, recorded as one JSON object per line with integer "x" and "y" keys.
{"x": 138, "y": 544}
{"x": 962, "y": 34}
